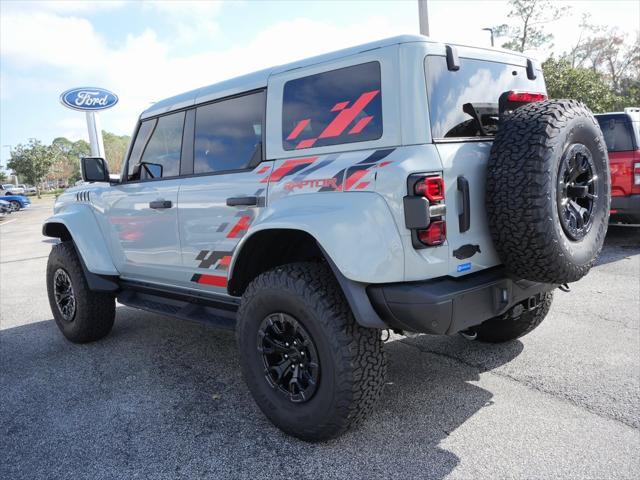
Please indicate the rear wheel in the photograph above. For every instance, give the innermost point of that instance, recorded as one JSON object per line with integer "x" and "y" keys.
{"x": 81, "y": 315}
{"x": 516, "y": 323}
{"x": 311, "y": 368}
{"x": 15, "y": 205}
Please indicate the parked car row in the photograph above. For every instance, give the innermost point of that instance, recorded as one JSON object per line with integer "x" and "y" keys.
{"x": 10, "y": 203}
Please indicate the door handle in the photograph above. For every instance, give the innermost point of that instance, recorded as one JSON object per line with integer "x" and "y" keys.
{"x": 464, "y": 218}
{"x": 242, "y": 201}
{"x": 160, "y": 204}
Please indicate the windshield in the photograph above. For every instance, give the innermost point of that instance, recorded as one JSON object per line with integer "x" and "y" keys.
{"x": 456, "y": 97}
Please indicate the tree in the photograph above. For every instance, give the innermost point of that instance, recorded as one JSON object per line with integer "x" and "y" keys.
{"x": 531, "y": 16}
{"x": 31, "y": 161}
{"x": 564, "y": 81}
{"x": 608, "y": 51}
{"x": 67, "y": 155}
{"x": 115, "y": 149}
{"x": 3, "y": 176}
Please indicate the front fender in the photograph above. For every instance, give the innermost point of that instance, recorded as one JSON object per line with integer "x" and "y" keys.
{"x": 356, "y": 230}
{"x": 87, "y": 237}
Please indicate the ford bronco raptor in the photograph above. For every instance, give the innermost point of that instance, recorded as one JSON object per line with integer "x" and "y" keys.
{"x": 404, "y": 185}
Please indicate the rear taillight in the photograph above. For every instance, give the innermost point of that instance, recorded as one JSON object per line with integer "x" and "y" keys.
{"x": 525, "y": 97}
{"x": 424, "y": 210}
{"x": 435, "y": 233}
{"x": 636, "y": 173}
{"x": 430, "y": 187}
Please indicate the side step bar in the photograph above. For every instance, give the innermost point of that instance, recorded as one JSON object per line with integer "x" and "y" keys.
{"x": 220, "y": 314}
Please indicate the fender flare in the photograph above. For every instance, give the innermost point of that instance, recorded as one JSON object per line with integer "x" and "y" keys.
{"x": 355, "y": 229}
{"x": 87, "y": 237}
{"x": 356, "y": 262}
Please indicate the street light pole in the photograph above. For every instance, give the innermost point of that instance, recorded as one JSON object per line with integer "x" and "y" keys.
{"x": 423, "y": 14}
{"x": 490, "y": 30}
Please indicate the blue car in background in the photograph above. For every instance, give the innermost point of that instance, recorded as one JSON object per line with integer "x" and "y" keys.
{"x": 16, "y": 201}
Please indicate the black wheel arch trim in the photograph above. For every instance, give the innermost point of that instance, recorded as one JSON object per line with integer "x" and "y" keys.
{"x": 96, "y": 282}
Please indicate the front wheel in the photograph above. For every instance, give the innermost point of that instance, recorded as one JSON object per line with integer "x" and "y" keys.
{"x": 311, "y": 368}
{"x": 15, "y": 205}
{"x": 81, "y": 315}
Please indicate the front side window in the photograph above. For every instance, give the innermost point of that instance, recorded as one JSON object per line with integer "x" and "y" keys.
{"x": 161, "y": 157}
{"x": 330, "y": 108}
{"x": 144, "y": 132}
{"x": 475, "y": 87}
{"x": 228, "y": 134}
{"x": 617, "y": 133}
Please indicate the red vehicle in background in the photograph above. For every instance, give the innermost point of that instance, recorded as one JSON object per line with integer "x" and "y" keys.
{"x": 622, "y": 135}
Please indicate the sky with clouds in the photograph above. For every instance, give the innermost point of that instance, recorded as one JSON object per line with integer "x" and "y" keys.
{"x": 146, "y": 51}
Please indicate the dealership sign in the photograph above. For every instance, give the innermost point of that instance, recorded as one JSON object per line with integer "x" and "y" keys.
{"x": 88, "y": 99}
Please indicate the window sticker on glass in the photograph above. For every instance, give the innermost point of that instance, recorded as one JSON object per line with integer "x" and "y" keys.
{"x": 330, "y": 108}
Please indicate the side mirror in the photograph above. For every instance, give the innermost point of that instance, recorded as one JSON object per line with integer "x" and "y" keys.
{"x": 94, "y": 169}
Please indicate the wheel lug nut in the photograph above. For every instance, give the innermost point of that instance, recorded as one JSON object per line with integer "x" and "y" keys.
{"x": 286, "y": 356}
{"x": 286, "y": 344}
{"x": 302, "y": 353}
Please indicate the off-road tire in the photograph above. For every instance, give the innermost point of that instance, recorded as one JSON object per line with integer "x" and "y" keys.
{"x": 522, "y": 187}
{"x": 351, "y": 357}
{"x": 94, "y": 311}
{"x": 516, "y": 323}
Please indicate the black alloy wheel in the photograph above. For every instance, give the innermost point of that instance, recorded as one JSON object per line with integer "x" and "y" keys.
{"x": 289, "y": 356}
{"x": 577, "y": 191}
{"x": 64, "y": 295}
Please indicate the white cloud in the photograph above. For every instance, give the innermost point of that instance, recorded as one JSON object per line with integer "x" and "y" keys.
{"x": 63, "y": 6}
{"x": 146, "y": 69}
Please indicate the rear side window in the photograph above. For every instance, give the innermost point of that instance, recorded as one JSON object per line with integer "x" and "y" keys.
{"x": 330, "y": 108}
{"x": 228, "y": 133}
{"x": 478, "y": 83}
{"x": 161, "y": 158}
{"x": 617, "y": 132}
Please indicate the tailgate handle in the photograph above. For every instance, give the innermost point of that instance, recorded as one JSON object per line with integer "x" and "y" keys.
{"x": 464, "y": 218}
{"x": 160, "y": 204}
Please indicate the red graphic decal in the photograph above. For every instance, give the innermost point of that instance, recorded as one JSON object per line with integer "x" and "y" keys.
{"x": 225, "y": 261}
{"x": 363, "y": 122}
{"x": 213, "y": 280}
{"x": 384, "y": 164}
{"x": 354, "y": 177}
{"x": 318, "y": 183}
{"x": 306, "y": 143}
{"x": 347, "y": 115}
{"x": 242, "y": 225}
{"x": 263, "y": 170}
{"x": 286, "y": 167}
{"x": 362, "y": 185}
{"x": 297, "y": 130}
{"x": 339, "y": 106}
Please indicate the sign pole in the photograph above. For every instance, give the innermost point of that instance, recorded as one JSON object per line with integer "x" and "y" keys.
{"x": 423, "y": 15}
{"x": 95, "y": 134}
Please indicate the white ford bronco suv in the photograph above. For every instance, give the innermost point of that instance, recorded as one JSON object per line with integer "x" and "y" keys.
{"x": 404, "y": 184}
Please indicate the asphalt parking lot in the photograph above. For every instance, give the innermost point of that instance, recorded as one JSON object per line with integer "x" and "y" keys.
{"x": 161, "y": 398}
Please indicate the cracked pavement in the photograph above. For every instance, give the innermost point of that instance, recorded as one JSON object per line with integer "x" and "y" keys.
{"x": 161, "y": 398}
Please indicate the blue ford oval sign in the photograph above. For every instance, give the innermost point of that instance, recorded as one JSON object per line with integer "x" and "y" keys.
{"x": 88, "y": 99}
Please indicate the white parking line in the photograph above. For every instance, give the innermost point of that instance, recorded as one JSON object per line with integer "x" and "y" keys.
{"x": 7, "y": 222}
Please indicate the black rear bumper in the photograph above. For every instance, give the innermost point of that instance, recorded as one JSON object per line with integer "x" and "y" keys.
{"x": 627, "y": 209}
{"x": 449, "y": 305}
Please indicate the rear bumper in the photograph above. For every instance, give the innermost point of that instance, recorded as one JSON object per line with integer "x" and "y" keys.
{"x": 449, "y": 305}
{"x": 626, "y": 208}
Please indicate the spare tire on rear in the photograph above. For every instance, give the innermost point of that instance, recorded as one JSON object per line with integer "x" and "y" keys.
{"x": 548, "y": 191}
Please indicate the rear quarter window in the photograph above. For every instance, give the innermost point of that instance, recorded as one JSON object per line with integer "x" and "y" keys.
{"x": 334, "y": 107}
